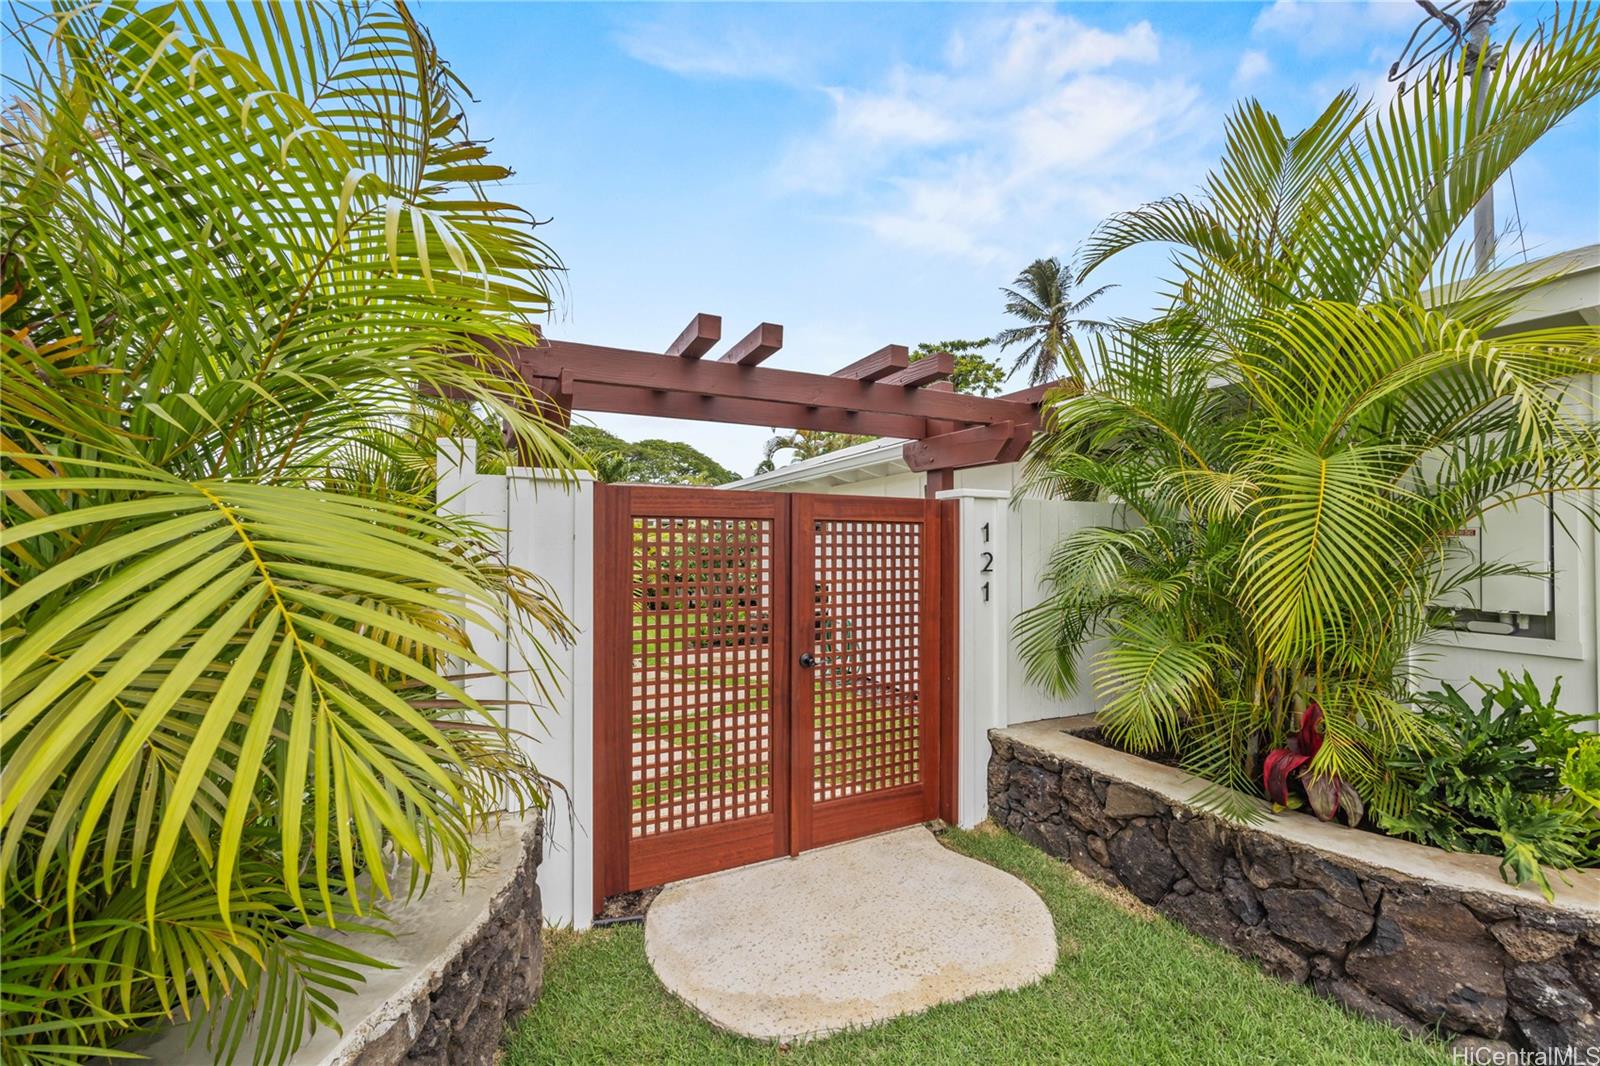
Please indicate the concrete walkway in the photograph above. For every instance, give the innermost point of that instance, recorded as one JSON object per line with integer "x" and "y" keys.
{"x": 846, "y": 936}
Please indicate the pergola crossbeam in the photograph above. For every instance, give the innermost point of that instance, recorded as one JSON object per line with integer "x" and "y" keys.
{"x": 924, "y": 371}
{"x": 1035, "y": 394}
{"x": 698, "y": 337}
{"x": 621, "y": 399}
{"x": 756, "y": 346}
{"x": 647, "y": 371}
{"x": 973, "y": 446}
{"x": 884, "y": 361}
{"x": 885, "y": 394}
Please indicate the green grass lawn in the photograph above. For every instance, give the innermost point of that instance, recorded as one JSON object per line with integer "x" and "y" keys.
{"x": 717, "y": 772}
{"x": 1131, "y": 988}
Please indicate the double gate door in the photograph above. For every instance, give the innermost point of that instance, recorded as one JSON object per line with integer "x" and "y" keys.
{"x": 771, "y": 675}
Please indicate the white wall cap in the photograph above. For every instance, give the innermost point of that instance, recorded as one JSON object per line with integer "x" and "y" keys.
{"x": 972, "y": 494}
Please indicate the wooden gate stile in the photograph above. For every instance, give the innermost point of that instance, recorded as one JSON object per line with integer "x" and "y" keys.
{"x": 772, "y": 674}
{"x": 866, "y": 750}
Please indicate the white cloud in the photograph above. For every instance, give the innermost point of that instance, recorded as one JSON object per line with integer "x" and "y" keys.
{"x": 1317, "y": 26}
{"x": 876, "y": 119}
{"x": 737, "y": 52}
{"x": 1022, "y": 121}
{"x": 1253, "y": 66}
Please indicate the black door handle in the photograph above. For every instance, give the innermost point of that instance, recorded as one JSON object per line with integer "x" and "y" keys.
{"x": 807, "y": 660}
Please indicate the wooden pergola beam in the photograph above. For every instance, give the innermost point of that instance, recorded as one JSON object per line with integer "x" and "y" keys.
{"x": 928, "y": 369}
{"x": 756, "y": 345}
{"x": 621, "y": 399}
{"x": 642, "y": 372}
{"x": 973, "y": 446}
{"x": 1034, "y": 394}
{"x": 551, "y": 402}
{"x": 698, "y": 337}
{"x": 884, "y": 361}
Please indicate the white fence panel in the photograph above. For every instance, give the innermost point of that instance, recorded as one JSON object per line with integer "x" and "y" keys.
{"x": 547, "y": 526}
{"x": 1004, "y": 549}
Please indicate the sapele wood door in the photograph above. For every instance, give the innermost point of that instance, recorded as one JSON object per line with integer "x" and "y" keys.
{"x": 770, "y": 676}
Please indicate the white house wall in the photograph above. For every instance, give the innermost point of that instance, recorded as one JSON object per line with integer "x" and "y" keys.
{"x": 1459, "y": 657}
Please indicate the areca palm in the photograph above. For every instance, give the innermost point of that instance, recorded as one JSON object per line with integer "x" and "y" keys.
{"x": 805, "y": 444}
{"x": 1042, "y": 299}
{"x": 1299, "y": 436}
{"x": 250, "y": 274}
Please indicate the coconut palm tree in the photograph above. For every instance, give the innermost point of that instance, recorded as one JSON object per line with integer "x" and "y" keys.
{"x": 1303, "y": 430}
{"x": 1042, "y": 299}
{"x": 248, "y": 274}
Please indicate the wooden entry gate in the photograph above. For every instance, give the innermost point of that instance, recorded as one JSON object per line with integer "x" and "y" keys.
{"x": 773, "y": 673}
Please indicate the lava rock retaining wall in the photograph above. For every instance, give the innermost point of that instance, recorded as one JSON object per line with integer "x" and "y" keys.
{"x": 1418, "y": 954}
{"x": 458, "y": 1014}
{"x": 463, "y": 959}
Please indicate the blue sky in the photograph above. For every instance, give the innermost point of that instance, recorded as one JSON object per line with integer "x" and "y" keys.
{"x": 869, "y": 174}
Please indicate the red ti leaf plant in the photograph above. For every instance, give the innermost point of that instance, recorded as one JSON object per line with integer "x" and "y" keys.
{"x": 1328, "y": 794}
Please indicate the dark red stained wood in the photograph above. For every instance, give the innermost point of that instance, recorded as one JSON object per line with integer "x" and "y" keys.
{"x": 879, "y": 812}
{"x": 698, "y": 337}
{"x": 949, "y": 525}
{"x": 885, "y": 360}
{"x": 931, "y": 650}
{"x": 937, "y": 481}
{"x": 550, "y": 401}
{"x": 622, "y": 399}
{"x": 802, "y": 568}
{"x": 1034, "y": 394}
{"x": 878, "y": 775}
{"x": 759, "y": 343}
{"x": 644, "y": 371}
{"x": 966, "y": 447}
{"x": 611, "y": 664}
{"x": 1013, "y": 449}
{"x": 653, "y": 717}
{"x": 928, "y": 369}
{"x": 892, "y": 660}
{"x": 692, "y": 852}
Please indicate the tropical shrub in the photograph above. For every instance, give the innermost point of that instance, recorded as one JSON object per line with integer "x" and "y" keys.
{"x": 242, "y": 267}
{"x": 1514, "y": 777}
{"x": 1328, "y": 794}
{"x": 1297, "y": 438}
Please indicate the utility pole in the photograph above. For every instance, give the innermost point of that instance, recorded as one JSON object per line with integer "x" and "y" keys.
{"x": 1478, "y": 23}
{"x": 1444, "y": 30}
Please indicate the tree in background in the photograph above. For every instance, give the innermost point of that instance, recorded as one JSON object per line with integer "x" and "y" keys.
{"x": 238, "y": 266}
{"x": 806, "y": 444}
{"x": 1042, "y": 300}
{"x": 650, "y": 462}
{"x": 974, "y": 374}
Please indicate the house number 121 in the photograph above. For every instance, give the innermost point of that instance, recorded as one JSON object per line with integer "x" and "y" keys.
{"x": 988, "y": 563}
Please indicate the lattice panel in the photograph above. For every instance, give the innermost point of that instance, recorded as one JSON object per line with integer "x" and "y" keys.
{"x": 865, "y": 699}
{"x": 702, "y": 711}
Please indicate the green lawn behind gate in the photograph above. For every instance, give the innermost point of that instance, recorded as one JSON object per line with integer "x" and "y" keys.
{"x": 1131, "y": 987}
{"x": 718, "y": 772}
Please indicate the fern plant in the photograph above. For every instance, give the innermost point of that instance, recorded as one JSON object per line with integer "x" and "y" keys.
{"x": 247, "y": 253}
{"x": 1295, "y": 440}
{"x": 1513, "y": 776}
